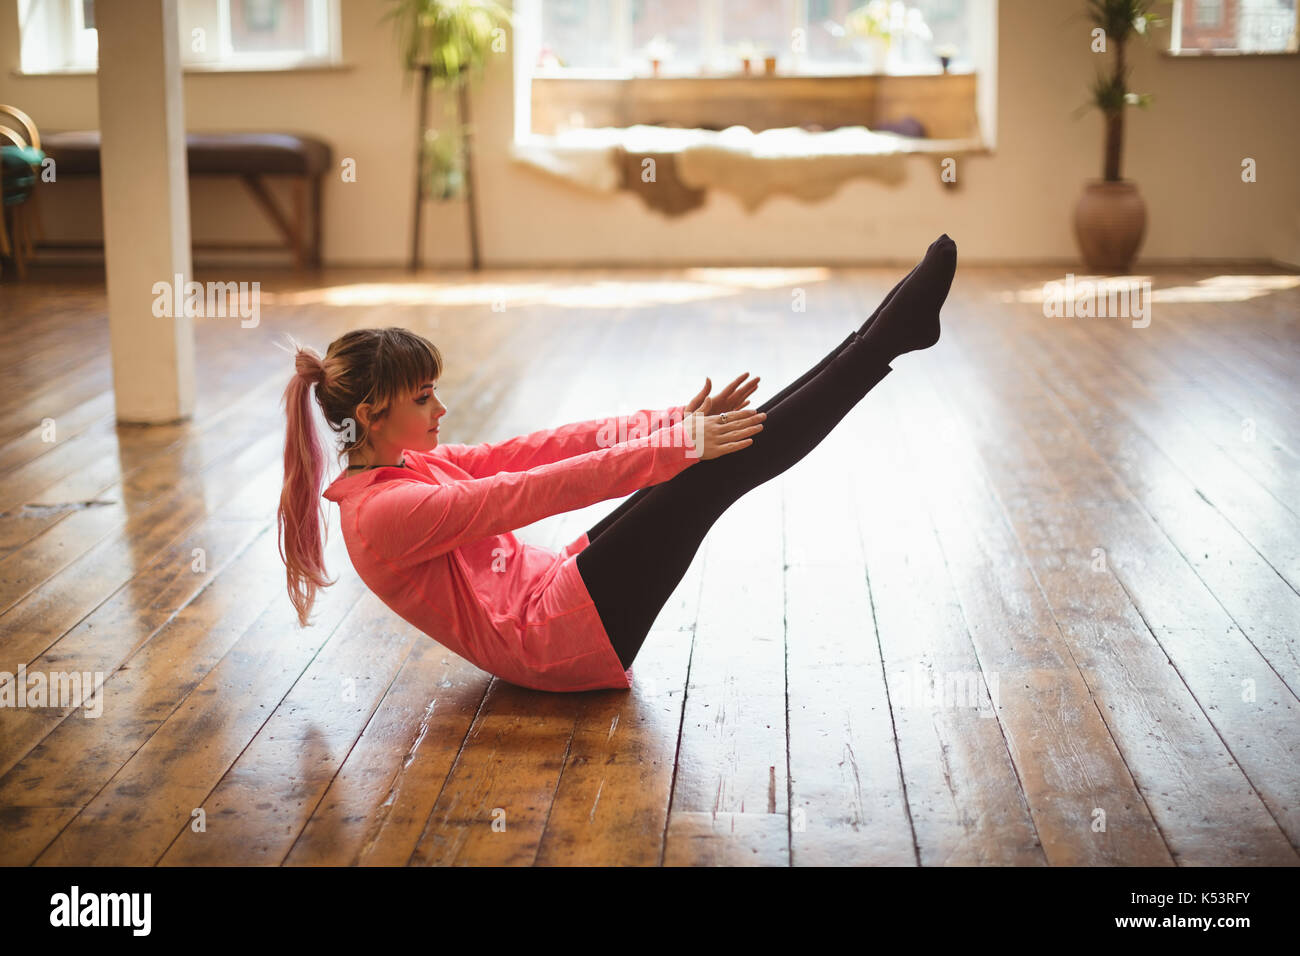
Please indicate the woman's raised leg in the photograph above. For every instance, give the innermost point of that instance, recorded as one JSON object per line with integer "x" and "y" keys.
{"x": 636, "y": 562}
{"x": 599, "y": 527}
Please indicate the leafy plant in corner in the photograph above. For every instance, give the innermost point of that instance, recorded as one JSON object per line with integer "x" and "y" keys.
{"x": 447, "y": 43}
{"x": 1110, "y": 218}
{"x": 1118, "y": 20}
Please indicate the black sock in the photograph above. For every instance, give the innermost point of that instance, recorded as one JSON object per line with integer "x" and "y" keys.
{"x": 884, "y": 302}
{"x": 911, "y": 319}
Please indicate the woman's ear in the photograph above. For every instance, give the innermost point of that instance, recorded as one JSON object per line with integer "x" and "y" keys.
{"x": 366, "y": 416}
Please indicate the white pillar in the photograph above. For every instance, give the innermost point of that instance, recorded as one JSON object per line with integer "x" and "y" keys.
{"x": 146, "y": 206}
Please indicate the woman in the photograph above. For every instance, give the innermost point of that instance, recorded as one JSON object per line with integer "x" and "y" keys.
{"x": 428, "y": 525}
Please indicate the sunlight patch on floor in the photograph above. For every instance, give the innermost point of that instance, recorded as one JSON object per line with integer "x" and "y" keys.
{"x": 1222, "y": 288}
{"x": 688, "y": 285}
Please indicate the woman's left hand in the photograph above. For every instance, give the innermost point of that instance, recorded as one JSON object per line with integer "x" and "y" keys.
{"x": 732, "y": 397}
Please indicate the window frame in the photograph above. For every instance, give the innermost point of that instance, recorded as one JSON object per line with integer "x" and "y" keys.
{"x": 1202, "y": 9}
{"x": 712, "y": 48}
{"x": 981, "y": 60}
{"x": 75, "y": 47}
{"x": 323, "y": 17}
{"x": 1174, "y": 49}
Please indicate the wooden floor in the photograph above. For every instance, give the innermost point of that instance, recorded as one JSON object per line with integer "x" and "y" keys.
{"x": 1085, "y": 535}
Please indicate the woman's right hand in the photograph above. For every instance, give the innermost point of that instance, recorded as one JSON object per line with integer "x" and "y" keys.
{"x": 714, "y": 438}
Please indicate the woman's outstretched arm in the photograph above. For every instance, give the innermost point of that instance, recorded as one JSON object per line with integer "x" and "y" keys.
{"x": 548, "y": 445}
{"x": 409, "y": 521}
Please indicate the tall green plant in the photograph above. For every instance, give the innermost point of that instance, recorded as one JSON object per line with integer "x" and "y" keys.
{"x": 1118, "y": 21}
{"x": 450, "y": 37}
{"x": 448, "y": 43}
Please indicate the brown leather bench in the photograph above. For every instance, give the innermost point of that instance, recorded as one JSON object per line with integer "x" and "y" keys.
{"x": 250, "y": 156}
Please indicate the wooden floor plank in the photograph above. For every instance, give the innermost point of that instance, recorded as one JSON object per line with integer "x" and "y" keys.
{"x": 850, "y": 805}
{"x": 98, "y": 582}
{"x": 77, "y": 756}
{"x": 1072, "y": 773}
{"x": 267, "y": 795}
{"x": 82, "y": 463}
{"x": 964, "y": 796}
{"x": 48, "y": 539}
{"x": 159, "y": 793}
{"x": 1170, "y": 365}
{"x": 376, "y": 806}
{"x": 611, "y": 803}
{"x": 732, "y": 754}
{"x": 1155, "y": 579}
{"x": 1258, "y": 600}
{"x": 59, "y": 423}
{"x": 949, "y": 529}
{"x": 519, "y": 802}
{"x": 1197, "y": 385}
{"x": 1225, "y": 337}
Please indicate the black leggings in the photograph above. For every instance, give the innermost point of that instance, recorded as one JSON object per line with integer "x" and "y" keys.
{"x": 638, "y": 554}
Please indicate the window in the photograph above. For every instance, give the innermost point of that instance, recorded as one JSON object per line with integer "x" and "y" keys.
{"x": 60, "y": 35}
{"x": 1234, "y": 26}
{"x": 584, "y": 64}
{"x": 1209, "y": 13}
{"x": 711, "y": 37}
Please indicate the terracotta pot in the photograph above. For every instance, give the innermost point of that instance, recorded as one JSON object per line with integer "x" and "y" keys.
{"x": 769, "y": 65}
{"x": 1110, "y": 221}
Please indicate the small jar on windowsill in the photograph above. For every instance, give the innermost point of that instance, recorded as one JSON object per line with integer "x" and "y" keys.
{"x": 946, "y": 53}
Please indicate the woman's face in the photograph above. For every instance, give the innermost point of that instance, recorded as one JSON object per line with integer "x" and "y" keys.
{"x": 411, "y": 422}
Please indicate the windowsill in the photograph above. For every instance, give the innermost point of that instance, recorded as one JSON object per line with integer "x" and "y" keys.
{"x": 196, "y": 68}
{"x": 1192, "y": 54}
{"x": 937, "y": 106}
{"x": 541, "y": 73}
{"x": 753, "y": 167}
{"x": 675, "y": 138}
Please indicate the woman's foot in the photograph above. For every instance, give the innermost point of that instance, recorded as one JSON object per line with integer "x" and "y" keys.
{"x": 909, "y": 321}
{"x": 884, "y": 302}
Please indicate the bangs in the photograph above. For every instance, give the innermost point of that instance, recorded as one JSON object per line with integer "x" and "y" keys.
{"x": 404, "y": 362}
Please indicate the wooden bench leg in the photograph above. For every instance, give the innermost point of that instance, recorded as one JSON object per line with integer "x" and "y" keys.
{"x": 317, "y": 183}
{"x": 292, "y": 231}
{"x": 300, "y": 222}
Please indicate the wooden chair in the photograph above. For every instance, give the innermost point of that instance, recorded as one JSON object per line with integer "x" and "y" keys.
{"x": 20, "y": 161}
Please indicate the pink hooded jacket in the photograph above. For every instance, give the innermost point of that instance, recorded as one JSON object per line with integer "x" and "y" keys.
{"x": 433, "y": 541}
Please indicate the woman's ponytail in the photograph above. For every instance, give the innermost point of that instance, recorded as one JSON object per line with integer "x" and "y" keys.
{"x": 375, "y": 366}
{"x": 300, "y": 534}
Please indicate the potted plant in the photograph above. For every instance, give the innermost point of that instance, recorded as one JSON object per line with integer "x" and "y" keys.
{"x": 748, "y": 52}
{"x": 658, "y": 50}
{"x": 946, "y": 52}
{"x": 871, "y": 22}
{"x": 548, "y": 59}
{"x": 447, "y": 42}
{"x": 445, "y": 174}
{"x": 1110, "y": 218}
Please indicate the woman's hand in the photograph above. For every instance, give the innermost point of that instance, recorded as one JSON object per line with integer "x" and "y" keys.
{"x": 730, "y": 399}
{"x": 714, "y": 438}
